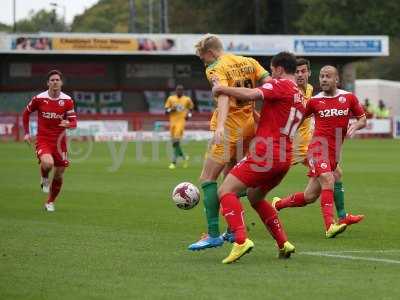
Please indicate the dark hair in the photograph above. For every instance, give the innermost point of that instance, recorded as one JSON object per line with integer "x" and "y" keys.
{"x": 54, "y": 72}
{"x": 286, "y": 60}
{"x": 303, "y": 61}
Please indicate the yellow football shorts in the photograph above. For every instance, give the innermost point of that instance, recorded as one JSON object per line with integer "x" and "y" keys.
{"x": 176, "y": 130}
{"x": 231, "y": 149}
{"x": 299, "y": 155}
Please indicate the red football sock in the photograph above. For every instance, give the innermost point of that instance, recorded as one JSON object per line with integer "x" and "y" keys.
{"x": 44, "y": 173}
{"x": 233, "y": 212}
{"x": 327, "y": 201}
{"x": 295, "y": 200}
{"x": 270, "y": 218}
{"x": 54, "y": 190}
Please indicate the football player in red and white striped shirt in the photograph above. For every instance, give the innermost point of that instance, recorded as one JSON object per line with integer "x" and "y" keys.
{"x": 55, "y": 114}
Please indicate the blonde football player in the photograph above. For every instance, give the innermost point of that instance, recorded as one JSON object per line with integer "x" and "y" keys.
{"x": 232, "y": 123}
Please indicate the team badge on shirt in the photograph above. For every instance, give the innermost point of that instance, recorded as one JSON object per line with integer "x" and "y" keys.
{"x": 268, "y": 86}
{"x": 61, "y": 102}
{"x": 342, "y": 99}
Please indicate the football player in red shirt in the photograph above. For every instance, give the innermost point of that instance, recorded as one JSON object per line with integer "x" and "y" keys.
{"x": 268, "y": 160}
{"x": 332, "y": 109}
{"x": 55, "y": 114}
{"x": 303, "y": 138}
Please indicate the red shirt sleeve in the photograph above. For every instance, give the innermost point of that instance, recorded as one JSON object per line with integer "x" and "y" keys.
{"x": 31, "y": 107}
{"x": 269, "y": 91}
{"x": 71, "y": 114}
{"x": 356, "y": 108}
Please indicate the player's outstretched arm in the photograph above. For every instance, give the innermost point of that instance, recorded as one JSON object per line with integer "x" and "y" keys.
{"x": 238, "y": 92}
{"x": 359, "y": 124}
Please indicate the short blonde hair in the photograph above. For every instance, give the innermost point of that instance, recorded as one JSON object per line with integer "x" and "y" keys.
{"x": 208, "y": 42}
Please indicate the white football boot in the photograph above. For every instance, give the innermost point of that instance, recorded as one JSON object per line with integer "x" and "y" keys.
{"x": 49, "y": 207}
{"x": 45, "y": 185}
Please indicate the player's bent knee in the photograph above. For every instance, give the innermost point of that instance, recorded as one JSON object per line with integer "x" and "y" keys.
{"x": 252, "y": 199}
{"x": 46, "y": 161}
{"x": 338, "y": 174}
{"x": 254, "y": 196}
{"x": 206, "y": 178}
{"x": 59, "y": 174}
{"x": 211, "y": 171}
{"x": 58, "y": 177}
{"x": 224, "y": 189}
{"x": 47, "y": 164}
{"x": 310, "y": 197}
{"x": 254, "y": 202}
{"x": 221, "y": 191}
{"x": 327, "y": 180}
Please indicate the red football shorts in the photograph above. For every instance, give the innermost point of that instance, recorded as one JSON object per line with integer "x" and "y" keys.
{"x": 59, "y": 154}
{"x": 260, "y": 175}
{"x": 319, "y": 162}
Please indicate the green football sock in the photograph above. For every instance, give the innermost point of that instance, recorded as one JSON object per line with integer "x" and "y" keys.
{"x": 211, "y": 204}
{"x": 175, "y": 155}
{"x": 242, "y": 193}
{"x": 180, "y": 150}
{"x": 177, "y": 149}
{"x": 339, "y": 199}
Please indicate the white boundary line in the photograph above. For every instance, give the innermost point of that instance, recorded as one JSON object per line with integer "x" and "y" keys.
{"x": 357, "y": 251}
{"x": 352, "y": 257}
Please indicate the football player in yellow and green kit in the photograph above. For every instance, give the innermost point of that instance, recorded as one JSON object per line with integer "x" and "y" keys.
{"x": 304, "y": 133}
{"x": 303, "y": 138}
{"x": 233, "y": 125}
{"x": 179, "y": 108}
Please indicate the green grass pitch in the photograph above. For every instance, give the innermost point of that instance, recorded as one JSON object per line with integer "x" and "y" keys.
{"x": 117, "y": 235}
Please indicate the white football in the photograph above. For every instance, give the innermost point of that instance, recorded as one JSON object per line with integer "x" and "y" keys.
{"x": 186, "y": 195}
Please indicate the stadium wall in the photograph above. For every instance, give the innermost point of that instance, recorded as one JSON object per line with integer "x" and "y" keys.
{"x": 139, "y": 126}
{"x": 23, "y": 75}
{"x": 132, "y": 64}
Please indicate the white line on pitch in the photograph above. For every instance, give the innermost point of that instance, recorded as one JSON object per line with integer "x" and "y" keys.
{"x": 359, "y": 251}
{"x": 351, "y": 257}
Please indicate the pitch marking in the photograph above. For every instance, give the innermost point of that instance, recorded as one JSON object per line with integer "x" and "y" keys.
{"x": 352, "y": 257}
{"x": 359, "y": 251}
